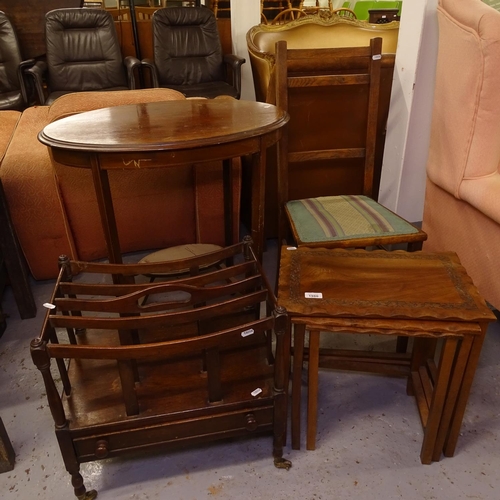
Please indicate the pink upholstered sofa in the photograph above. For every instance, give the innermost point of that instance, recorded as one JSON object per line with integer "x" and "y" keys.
{"x": 462, "y": 201}
{"x": 54, "y": 208}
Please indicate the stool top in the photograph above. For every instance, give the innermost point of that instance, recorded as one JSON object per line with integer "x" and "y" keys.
{"x": 378, "y": 284}
{"x": 180, "y": 252}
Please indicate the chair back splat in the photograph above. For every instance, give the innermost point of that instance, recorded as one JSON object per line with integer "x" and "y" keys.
{"x": 205, "y": 357}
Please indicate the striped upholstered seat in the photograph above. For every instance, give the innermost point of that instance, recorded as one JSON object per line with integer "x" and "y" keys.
{"x": 348, "y": 221}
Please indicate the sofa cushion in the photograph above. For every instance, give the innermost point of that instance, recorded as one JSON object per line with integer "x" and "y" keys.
{"x": 78, "y": 102}
{"x": 8, "y": 123}
{"x": 30, "y": 190}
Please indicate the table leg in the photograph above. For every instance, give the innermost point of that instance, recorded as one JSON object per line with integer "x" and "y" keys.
{"x": 258, "y": 201}
{"x": 106, "y": 211}
{"x": 312, "y": 391}
{"x": 228, "y": 181}
{"x": 282, "y": 183}
{"x": 298, "y": 358}
{"x": 458, "y": 415}
{"x": 455, "y": 384}
{"x": 423, "y": 349}
{"x": 438, "y": 399}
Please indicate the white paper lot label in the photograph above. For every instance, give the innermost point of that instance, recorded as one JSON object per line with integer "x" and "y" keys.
{"x": 256, "y": 392}
{"x": 248, "y": 332}
{"x": 313, "y": 295}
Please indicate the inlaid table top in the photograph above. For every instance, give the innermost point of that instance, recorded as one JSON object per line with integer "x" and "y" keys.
{"x": 378, "y": 284}
{"x": 163, "y": 126}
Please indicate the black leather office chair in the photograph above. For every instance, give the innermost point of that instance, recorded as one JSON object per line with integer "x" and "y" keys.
{"x": 83, "y": 54}
{"x": 13, "y": 93}
{"x": 188, "y": 55}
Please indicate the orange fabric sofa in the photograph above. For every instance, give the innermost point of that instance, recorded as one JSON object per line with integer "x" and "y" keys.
{"x": 54, "y": 208}
{"x": 462, "y": 200}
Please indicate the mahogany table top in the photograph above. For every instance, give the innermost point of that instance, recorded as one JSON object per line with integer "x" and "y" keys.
{"x": 163, "y": 126}
{"x": 378, "y": 284}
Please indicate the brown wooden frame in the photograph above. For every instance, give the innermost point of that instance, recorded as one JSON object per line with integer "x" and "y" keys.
{"x": 159, "y": 374}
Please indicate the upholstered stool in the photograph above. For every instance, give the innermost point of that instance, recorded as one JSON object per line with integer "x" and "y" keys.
{"x": 178, "y": 253}
{"x": 420, "y": 295}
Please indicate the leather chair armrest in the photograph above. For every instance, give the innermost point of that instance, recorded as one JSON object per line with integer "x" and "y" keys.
{"x": 149, "y": 63}
{"x": 131, "y": 63}
{"x": 235, "y": 63}
{"x": 23, "y": 66}
{"x": 37, "y": 72}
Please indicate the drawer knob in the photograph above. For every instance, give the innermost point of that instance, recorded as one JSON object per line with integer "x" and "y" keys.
{"x": 251, "y": 423}
{"x": 101, "y": 448}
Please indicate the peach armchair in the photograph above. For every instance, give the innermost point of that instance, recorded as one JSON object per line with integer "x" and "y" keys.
{"x": 462, "y": 207}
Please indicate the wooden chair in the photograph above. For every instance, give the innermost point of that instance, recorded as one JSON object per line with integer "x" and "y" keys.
{"x": 120, "y": 13}
{"x": 216, "y": 8}
{"x": 285, "y": 16}
{"x": 313, "y": 9}
{"x": 145, "y": 13}
{"x": 271, "y": 8}
{"x": 320, "y": 79}
{"x": 166, "y": 373}
{"x": 345, "y": 12}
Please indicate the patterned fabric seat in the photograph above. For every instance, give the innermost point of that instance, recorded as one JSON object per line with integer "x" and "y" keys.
{"x": 344, "y": 220}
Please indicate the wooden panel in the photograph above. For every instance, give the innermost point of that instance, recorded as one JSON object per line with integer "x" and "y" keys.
{"x": 28, "y": 17}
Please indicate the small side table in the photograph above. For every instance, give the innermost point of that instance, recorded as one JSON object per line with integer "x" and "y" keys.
{"x": 420, "y": 295}
{"x": 167, "y": 135}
